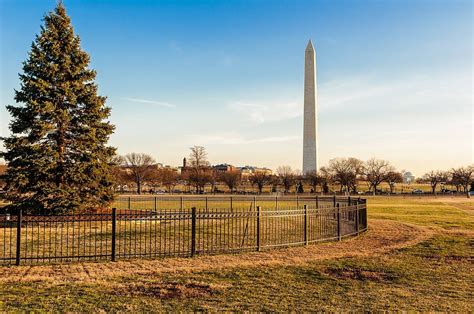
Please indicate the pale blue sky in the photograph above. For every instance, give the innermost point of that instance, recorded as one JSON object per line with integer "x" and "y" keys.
{"x": 394, "y": 77}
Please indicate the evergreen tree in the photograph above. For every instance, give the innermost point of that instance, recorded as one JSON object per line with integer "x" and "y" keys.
{"x": 57, "y": 153}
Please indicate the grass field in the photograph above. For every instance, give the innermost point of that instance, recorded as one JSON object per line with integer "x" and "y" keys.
{"x": 175, "y": 202}
{"x": 417, "y": 255}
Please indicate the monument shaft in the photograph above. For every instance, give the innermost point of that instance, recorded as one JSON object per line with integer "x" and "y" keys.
{"x": 310, "y": 141}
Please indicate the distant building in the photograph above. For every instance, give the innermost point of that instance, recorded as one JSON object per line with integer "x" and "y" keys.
{"x": 224, "y": 168}
{"x": 247, "y": 171}
{"x": 159, "y": 165}
{"x": 408, "y": 177}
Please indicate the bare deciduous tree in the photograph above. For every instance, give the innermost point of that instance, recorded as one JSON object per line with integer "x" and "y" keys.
{"x": 260, "y": 179}
{"x": 139, "y": 168}
{"x": 375, "y": 172}
{"x": 153, "y": 179}
{"x": 274, "y": 182}
{"x": 344, "y": 171}
{"x": 357, "y": 166}
{"x": 231, "y": 179}
{"x": 287, "y": 176}
{"x": 198, "y": 157}
{"x": 199, "y": 178}
{"x": 455, "y": 180}
{"x": 213, "y": 179}
{"x": 200, "y": 172}
{"x": 326, "y": 178}
{"x": 168, "y": 178}
{"x": 119, "y": 173}
{"x": 434, "y": 178}
{"x": 392, "y": 178}
{"x": 463, "y": 177}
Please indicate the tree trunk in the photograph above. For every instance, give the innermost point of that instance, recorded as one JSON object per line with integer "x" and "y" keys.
{"x": 139, "y": 187}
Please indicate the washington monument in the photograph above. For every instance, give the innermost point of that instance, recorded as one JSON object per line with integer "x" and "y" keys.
{"x": 310, "y": 135}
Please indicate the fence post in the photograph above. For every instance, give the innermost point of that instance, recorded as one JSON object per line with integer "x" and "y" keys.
{"x": 114, "y": 232}
{"x": 18, "y": 236}
{"x": 317, "y": 202}
{"x": 231, "y": 205}
{"x": 206, "y": 202}
{"x": 349, "y": 201}
{"x": 155, "y": 203}
{"x": 276, "y": 202}
{"x": 129, "y": 201}
{"x": 357, "y": 218}
{"x": 181, "y": 203}
{"x": 258, "y": 228}
{"x": 338, "y": 222}
{"x": 297, "y": 201}
{"x": 254, "y": 202}
{"x": 193, "y": 231}
{"x": 334, "y": 200}
{"x": 305, "y": 225}
{"x": 366, "y": 225}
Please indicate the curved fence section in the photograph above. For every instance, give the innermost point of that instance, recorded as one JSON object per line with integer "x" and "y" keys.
{"x": 185, "y": 232}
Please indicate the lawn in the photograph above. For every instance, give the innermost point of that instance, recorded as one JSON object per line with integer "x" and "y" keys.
{"x": 417, "y": 255}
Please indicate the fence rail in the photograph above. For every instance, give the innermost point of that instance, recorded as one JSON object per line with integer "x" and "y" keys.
{"x": 172, "y": 232}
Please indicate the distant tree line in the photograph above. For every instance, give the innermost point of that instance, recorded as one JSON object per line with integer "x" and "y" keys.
{"x": 461, "y": 178}
{"x": 141, "y": 169}
{"x": 344, "y": 173}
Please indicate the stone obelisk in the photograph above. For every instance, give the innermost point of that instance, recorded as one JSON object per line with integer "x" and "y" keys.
{"x": 310, "y": 139}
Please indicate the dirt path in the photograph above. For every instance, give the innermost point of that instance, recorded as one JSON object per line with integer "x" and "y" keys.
{"x": 383, "y": 236}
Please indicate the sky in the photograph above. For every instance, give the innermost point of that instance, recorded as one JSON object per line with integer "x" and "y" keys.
{"x": 395, "y": 78}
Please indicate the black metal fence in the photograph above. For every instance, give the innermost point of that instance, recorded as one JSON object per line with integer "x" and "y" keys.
{"x": 134, "y": 233}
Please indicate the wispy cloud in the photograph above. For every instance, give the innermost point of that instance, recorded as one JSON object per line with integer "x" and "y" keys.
{"x": 417, "y": 92}
{"x": 151, "y": 102}
{"x": 234, "y": 138}
{"x": 373, "y": 96}
{"x": 261, "y": 113}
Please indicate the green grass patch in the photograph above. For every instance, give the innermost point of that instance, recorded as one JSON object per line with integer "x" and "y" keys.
{"x": 427, "y": 212}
